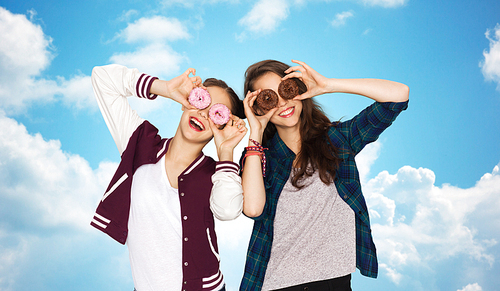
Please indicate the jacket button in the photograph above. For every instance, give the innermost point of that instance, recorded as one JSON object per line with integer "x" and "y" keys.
{"x": 186, "y": 264}
{"x": 181, "y": 179}
{"x": 185, "y": 217}
{"x": 182, "y": 194}
{"x": 185, "y": 239}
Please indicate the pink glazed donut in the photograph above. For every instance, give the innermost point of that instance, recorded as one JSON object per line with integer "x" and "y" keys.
{"x": 199, "y": 98}
{"x": 219, "y": 113}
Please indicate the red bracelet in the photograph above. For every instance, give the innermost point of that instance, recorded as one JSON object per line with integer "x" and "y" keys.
{"x": 258, "y": 149}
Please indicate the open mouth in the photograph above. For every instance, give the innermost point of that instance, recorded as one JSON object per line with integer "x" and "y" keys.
{"x": 196, "y": 124}
{"x": 287, "y": 113}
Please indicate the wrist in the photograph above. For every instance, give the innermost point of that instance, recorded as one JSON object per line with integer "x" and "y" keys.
{"x": 159, "y": 87}
{"x": 225, "y": 155}
{"x": 255, "y": 136}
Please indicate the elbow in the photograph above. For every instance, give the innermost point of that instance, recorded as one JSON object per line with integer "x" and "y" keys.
{"x": 405, "y": 93}
{"x": 252, "y": 211}
{"x": 227, "y": 214}
{"x": 96, "y": 71}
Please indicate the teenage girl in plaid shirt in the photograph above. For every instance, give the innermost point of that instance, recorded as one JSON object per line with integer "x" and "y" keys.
{"x": 319, "y": 232}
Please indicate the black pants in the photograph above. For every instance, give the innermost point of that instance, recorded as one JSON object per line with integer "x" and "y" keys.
{"x": 336, "y": 284}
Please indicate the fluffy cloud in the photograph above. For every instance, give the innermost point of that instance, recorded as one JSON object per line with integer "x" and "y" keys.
{"x": 47, "y": 200}
{"x": 472, "y": 287}
{"x": 490, "y": 66}
{"x": 42, "y": 186}
{"x": 25, "y": 52}
{"x": 153, "y": 55}
{"x": 385, "y": 3}
{"x": 340, "y": 18}
{"x": 417, "y": 224}
{"x": 156, "y": 59}
{"x": 154, "y": 29}
{"x": 265, "y": 16}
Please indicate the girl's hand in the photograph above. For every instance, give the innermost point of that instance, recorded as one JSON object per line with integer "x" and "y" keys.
{"x": 257, "y": 123}
{"x": 178, "y": 88}
{"x": 316, "y": 83}
{"x": 227, "y": 139}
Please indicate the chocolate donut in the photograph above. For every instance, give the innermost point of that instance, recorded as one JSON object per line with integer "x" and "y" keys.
{"x": 266, "y": 100}
{"x": 288, "y": 89}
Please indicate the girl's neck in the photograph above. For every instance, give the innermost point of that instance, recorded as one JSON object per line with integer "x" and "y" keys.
{"x": 182, "y": 151}
{"x": 291, "y": 137}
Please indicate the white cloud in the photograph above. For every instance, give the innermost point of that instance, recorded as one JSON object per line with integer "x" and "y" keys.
{"x": 472, "y": 287}
{"x": 194, "y": 3}
{"x": 265, "y": 16}
{"x": 47, "y": 200}
{"x": 155, "y": 59}
{"x": 127, "y": 15}
{"x": 416, "y": 223}
{"x": 25, "y": 51}
{"x": 154, "y": 29}
{"x": 366, "y": 158}
{"x": 340, "y": 18}
{"x": 490, "y": 66}
{"x": 42, "y": 186}
{"x": 385, "y": 3}
{"x": 77, "y": 92}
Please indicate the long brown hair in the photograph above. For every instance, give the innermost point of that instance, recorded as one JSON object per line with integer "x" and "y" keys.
{"x": 316, "y": 151}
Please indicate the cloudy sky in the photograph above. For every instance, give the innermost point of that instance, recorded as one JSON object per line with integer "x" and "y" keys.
{"x": 432, "y": 181}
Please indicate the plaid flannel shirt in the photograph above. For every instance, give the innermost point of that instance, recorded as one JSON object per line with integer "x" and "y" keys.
{"x": 350, "y": 137}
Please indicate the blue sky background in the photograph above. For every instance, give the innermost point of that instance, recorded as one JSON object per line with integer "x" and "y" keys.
{"x": 432, "y": 181}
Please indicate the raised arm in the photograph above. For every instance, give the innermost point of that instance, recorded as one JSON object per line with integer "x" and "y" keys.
{"x": 254, "y": 191}
{"x": 112, "y": 85}
{"x": 376, "y": 89}
{"x": 226, "y": 199}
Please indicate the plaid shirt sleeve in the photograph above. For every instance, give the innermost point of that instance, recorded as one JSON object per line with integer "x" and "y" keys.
{"x": 367, "y": 126}
{"x": 351, "y": 137}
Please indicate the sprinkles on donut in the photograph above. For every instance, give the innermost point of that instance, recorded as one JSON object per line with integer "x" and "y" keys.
{"x": 199, "y": 98}
{"x": 219, "y": 113}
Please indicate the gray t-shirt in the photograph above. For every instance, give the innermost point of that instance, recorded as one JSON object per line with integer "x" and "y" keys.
{"x": 314, "y": 236}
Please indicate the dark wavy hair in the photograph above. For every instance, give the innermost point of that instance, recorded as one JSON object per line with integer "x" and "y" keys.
{"x": 237, "y": 108}
{"x": 316, "y": 151}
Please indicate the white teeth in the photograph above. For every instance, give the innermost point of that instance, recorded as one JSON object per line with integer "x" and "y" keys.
{"x": 195, "y": 121}
{"x": 288, "y": 111}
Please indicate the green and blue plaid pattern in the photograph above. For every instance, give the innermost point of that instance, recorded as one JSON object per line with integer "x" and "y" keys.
{"x": 350, "y": 137}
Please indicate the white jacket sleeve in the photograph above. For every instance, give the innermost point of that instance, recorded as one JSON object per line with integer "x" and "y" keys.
{"x": 226, "y": 200}
{"x": 112, "y": 85}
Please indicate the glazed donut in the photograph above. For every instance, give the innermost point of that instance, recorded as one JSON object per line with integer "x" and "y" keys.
{"x": 199, "y": 98}
{"x": 288, "y": 89}
{"x": 266, "y": 100}
{"x": 219, "y": 113}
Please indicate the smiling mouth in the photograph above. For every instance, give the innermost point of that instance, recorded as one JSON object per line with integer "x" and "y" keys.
{"x": 196, "y": 124}
{"x": 288, "y": 112}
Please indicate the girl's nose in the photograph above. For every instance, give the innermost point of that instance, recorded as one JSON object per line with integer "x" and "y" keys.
{"x": 282, "y": 102}
{"x": 203, "y": 113}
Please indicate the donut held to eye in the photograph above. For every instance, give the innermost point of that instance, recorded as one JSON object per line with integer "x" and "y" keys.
{"x": 288, "y": 89}
{"x": 266, "y": 100}
{"x": 219, "y": 114}
{"x": 199, "y": 98}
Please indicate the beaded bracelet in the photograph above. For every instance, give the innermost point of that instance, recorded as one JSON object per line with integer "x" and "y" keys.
{"x": 258, "y": 149}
